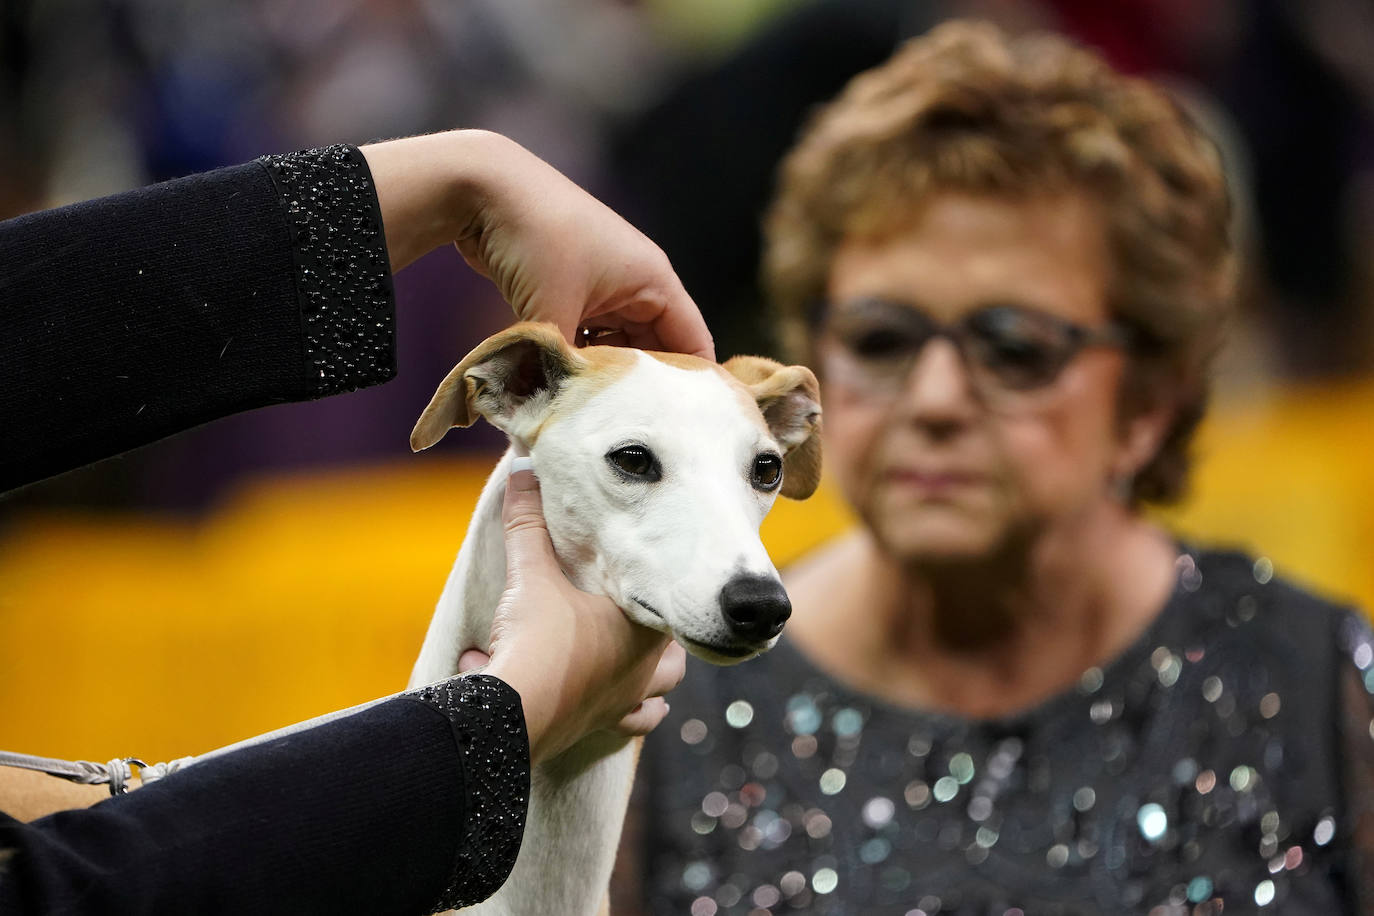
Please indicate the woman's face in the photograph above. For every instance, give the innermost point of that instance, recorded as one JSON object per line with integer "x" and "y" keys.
{"x": 957, "y": 458}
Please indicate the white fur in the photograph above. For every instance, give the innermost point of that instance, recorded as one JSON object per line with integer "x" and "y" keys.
{"x": 670, "y": 546}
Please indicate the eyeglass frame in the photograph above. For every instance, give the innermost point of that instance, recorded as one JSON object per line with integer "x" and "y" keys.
{"x": 1078, "y": 337}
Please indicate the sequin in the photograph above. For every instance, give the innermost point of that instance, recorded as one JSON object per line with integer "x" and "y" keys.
{"x": 874, "y": 851}
{"x": 696, "y": 876}
{"x": 1091, "y": 681}
{"x": 1153, "y": 821}
{"x": 877, "y": 812}
{"x": 848, "y": 722}
{"x": 766, "y": 896}
{"x": 1199, "y": 889}
{"x": 1269, "y": 705}
{"x": 825, "y": 880}
{"x": 1264, "y": 893}
{"x": 961, "y": 768}
{"x": 832, "y": 781}
{"x": 817, "y": 824}
{"x": 1211, "y": 689}
{"x": 803, "y": 716}
{"x": 739, "y": 714}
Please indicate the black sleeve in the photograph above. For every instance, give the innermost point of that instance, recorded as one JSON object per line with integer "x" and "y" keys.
{"x": 135, "y": 316}
{"x": 411, "y": 806}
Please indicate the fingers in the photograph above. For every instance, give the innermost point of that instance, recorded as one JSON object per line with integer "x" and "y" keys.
{"x": 641, "y": 720}
{"x": 527, "y": 537}
{"x": 681, "y": 328}
{"x": 471, "y": 660}
{"x": 644, "y": 718}
{"x": 672, "y": 665}
{"x": 664, "y": 318}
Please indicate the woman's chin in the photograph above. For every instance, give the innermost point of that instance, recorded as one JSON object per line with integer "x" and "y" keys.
{"x": 938, "y": 538}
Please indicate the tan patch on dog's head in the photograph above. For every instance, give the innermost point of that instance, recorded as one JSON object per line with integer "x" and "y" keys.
{"x": 531, "y": 363}
{"x": 682, "y": 361}
{"x": 607, "y": 365}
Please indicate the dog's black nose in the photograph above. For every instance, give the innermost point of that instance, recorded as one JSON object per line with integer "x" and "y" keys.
{"x": 756, "y": 607}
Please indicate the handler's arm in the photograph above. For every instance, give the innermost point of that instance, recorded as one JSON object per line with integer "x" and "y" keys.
{"x": 135, "y": 316}
{"x": 411, "y": 806}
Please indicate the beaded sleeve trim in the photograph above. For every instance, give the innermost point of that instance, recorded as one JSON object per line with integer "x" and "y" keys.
{"x": 343, "y": 274}
{"x": 489, "y": 726}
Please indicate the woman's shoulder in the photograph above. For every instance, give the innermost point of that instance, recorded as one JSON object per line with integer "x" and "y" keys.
{"x": 1245, "y": 591}
{"x": 1243, "y": 573}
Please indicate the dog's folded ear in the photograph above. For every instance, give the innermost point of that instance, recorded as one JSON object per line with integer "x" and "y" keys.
{"x": 524, "y": 364}
{"x": 790, "y": 399}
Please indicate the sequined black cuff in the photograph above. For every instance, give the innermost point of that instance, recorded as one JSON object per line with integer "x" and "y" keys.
{"x": 489, "y": 726}
{"x": 343, "y": 273}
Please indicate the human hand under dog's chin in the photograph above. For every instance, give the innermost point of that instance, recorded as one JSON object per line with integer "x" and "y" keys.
{"x": 579, "y": 664}
{"x": 639, "y": 721}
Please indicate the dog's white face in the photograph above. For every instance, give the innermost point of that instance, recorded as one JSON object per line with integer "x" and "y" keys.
{"x": 656, "y": 472}
{"x": 654, "y": 490}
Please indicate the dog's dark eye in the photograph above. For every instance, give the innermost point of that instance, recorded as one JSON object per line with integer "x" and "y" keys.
{"x": 636, "y": 461}
{"x": 767, "y": 472}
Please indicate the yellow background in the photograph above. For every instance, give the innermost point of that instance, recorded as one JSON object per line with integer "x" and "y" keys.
{"x": 134, "y": 636}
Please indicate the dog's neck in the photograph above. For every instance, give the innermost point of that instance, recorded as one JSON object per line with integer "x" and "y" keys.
{"x": 575, "y": 797}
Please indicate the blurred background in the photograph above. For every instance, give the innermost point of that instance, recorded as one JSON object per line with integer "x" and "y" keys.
{"x": 280, "y": 564}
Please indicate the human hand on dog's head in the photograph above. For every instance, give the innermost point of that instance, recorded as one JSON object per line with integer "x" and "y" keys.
{"x": 556, "y": 253}
{"x": 579, "y": 664}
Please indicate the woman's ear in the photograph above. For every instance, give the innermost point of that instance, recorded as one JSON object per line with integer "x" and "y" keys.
{"x": 789, "y": 397}
{"x": 505, "y": 372}
{"x": 1140, "y": 437}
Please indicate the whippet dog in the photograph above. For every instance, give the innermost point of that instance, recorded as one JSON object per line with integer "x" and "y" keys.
{"x": 655, "y": 471}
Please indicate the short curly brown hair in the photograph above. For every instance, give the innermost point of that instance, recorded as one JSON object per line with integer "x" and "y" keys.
{"x": 968, "y": 108}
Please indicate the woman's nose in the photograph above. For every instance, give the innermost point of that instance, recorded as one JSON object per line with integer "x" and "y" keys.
{"x": 939, "y": 389}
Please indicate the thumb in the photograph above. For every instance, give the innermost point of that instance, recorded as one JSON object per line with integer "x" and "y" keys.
{"x": 527, "y": 536}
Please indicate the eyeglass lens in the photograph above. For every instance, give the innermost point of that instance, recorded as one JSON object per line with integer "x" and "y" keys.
{"x": 1009, "y": 348}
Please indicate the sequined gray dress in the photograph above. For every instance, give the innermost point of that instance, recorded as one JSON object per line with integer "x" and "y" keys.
{"x": 1223, "y": 761}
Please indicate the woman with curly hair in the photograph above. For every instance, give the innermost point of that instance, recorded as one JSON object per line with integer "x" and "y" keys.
{"x": 1008, "y": 690}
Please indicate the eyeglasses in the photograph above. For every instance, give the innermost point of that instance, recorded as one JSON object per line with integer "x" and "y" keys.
{"x": 1008, "y": 350}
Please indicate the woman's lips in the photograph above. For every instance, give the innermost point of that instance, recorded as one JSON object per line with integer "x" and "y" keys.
{"x": 934, "y": 483}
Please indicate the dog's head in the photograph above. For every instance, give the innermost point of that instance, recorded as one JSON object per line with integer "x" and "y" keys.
{"x": 655, "y": 469}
